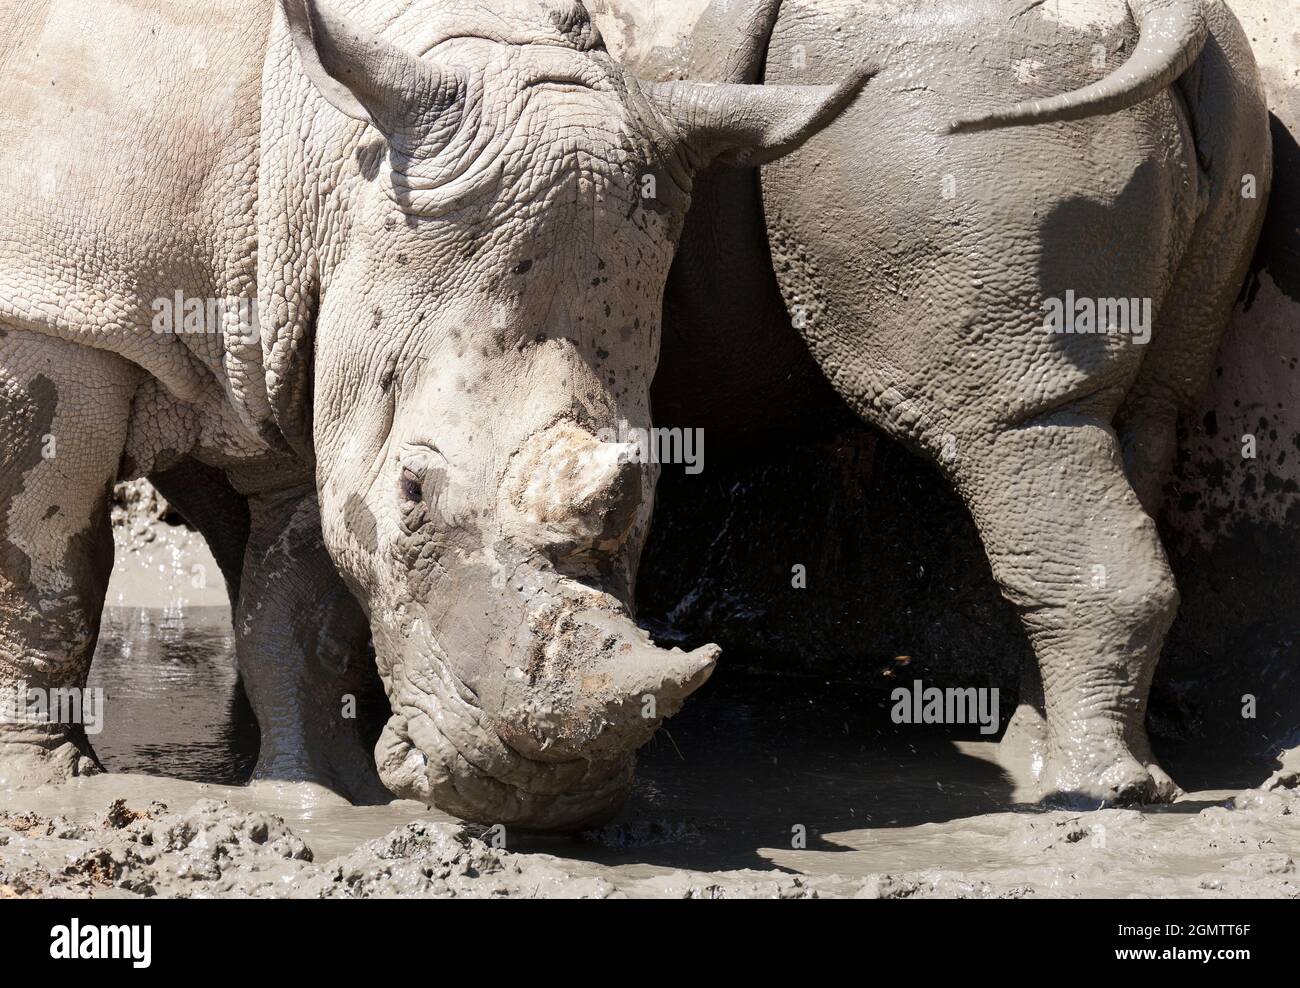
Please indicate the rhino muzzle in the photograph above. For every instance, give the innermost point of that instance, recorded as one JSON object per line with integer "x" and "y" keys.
{"x": 538, "y": 726}
{"x": 521, "y": 697}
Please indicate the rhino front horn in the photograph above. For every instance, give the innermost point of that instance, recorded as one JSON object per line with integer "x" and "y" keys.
{"x": 600, "y": 687}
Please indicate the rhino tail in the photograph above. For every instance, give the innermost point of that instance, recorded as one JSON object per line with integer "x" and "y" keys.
{"x": 1171, "y": 34}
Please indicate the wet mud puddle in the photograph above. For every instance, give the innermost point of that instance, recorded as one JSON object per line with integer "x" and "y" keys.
{"x": 760, "y": 787}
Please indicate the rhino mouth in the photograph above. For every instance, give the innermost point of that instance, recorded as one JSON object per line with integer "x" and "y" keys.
{"x": 439, "y": 748}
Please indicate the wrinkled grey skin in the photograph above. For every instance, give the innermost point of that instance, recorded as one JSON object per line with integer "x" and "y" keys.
{"x": 922, "y": 301}
{"x": 439, "y": 209}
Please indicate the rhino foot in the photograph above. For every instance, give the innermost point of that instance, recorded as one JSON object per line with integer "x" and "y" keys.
{"x": 336, "y": 770}
{"x": 1106, "y": 773}
{"x": 26, "y": 765}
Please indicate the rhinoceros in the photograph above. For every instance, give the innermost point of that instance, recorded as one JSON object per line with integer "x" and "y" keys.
{"x": 365, "y": 287}
{"x": 1018, "y": 258}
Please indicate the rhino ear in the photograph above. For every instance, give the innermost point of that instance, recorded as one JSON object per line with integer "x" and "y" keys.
{"x": 364, "y": 77}
{"x": 749, "y": 125}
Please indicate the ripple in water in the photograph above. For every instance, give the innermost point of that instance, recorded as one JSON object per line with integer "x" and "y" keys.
{"x": 172, "y": 705}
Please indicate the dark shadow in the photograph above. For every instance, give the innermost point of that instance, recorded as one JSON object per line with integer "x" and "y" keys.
{"x": 894, "y": 568}
{"x": 1091, "y": 249}
{"x": 1278, "y": 250}
{"x": 754, "y": 757}
{"x": 1226, "y": 695}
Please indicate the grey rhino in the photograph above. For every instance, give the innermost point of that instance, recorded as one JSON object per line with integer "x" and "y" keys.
{"x": 360, "y": 295}
{"x": 1015, "y": 158}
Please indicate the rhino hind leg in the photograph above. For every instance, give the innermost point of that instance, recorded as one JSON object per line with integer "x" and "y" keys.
{"x": 1073, "y": 550}
{"x": 302, "y": 643}
{"x": 63, "y": 420}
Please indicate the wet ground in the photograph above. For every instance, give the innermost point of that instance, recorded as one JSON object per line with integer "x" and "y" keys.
{"x": 763, "y": 786}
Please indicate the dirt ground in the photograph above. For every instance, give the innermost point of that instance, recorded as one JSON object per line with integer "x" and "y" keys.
{"x": 764, "y": 786}
{"x": 913, "y": 837}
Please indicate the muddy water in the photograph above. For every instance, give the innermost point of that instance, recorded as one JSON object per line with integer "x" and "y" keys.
{"x": 169, "y": 685}
{"x": 762, "y": 786}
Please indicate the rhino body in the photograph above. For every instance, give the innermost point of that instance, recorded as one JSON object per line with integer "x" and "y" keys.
{"x": 366, "y": 288}
{"x": 959, "y": 269}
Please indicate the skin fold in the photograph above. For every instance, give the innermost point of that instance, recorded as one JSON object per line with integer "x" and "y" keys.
{"x": 1010, "y": 152}
{"x": 438, "y": 233}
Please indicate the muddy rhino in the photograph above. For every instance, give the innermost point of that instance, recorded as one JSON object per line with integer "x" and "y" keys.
{"x": 1026, "y": 282}
{"x": 359, "y": 286}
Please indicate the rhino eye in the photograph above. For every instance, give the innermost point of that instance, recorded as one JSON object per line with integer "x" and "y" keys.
{"x": 409, "y": 486}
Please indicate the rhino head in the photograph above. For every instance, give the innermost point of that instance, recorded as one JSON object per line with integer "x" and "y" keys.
{"x": 484, "y": 208}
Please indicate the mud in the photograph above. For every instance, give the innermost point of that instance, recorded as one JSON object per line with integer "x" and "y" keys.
{"x": 764, "y": 786}
{"x": 158, "y": 560}
{"x": 135, "y": 836}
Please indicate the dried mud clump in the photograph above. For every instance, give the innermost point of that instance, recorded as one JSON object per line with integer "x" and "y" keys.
{"x": 437, "y": 860}
{"x": 1241, "y": 846}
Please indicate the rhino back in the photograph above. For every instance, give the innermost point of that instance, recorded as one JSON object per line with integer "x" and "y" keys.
{"x": 128, "y": 163}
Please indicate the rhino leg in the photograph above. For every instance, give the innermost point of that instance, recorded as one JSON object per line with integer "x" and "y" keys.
{"x": 301, "y": 641}
{"x": 63, "y": 422}
{"x": 1095, "y": 595}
